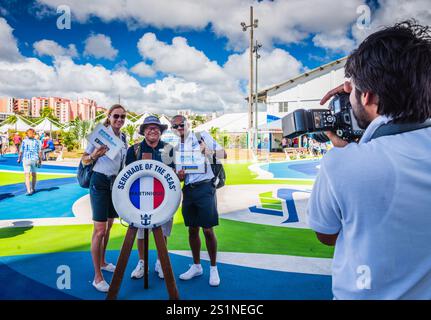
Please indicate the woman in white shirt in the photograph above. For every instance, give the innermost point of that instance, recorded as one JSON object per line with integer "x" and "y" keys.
{"x": 104, "y": 172}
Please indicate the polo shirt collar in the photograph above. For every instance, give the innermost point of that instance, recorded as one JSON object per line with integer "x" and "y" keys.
{"x": 376, "y": 123}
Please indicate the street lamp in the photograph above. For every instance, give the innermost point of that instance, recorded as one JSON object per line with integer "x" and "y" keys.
{"x": 256, "y": 48}
{"x": 253, "y": 24}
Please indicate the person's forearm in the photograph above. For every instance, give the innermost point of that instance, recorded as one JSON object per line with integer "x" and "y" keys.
{"x": 221, "y": 154}
{"x": 87, "y": 159}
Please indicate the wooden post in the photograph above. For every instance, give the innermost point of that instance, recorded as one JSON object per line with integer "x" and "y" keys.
{"x": 122, "y": 263}
{"x": 171, "y": 285}
{"x": 146, "y": 238}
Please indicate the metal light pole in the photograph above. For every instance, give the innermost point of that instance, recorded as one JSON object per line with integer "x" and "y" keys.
{"x": 252, "y": 25}
{"x": 256, "y": 48}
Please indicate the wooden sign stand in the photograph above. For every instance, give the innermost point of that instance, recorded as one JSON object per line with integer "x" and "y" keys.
{"x": 165, "y": 262}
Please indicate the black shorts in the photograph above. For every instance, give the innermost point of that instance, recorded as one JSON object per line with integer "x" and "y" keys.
{"x": 101, "y": 198}
{"x": 199, "y": 207}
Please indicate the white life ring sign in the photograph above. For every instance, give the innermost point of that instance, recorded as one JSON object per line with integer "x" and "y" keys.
{"x": 146, "y": 194}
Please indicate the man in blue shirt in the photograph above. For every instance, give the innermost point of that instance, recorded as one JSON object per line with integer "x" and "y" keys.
{"x": 31, "y": 154}
{"x": 372, "y": 200}
{"x": 48, "y": 146}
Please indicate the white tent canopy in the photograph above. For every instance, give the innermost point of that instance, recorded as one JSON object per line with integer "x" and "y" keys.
{"x": 273, "y": 126}
{"x": 21, "y": 125}
{"x": 127, "y": 122}
{"x": 47, "y": 125}
{"x": 141, "y": 118}
{"x": 164, "y": 120}
{"x": 231, "y": 122}
{"x": 4, "y": 128}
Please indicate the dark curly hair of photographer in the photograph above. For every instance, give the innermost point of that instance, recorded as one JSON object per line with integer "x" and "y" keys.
{"x": 395, "y": 64}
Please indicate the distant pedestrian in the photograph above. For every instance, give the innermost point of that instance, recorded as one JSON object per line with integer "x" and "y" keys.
{"x": 17, "y": 141}
{"x": 31, "y": 154}
{"x": 2, "y": 141}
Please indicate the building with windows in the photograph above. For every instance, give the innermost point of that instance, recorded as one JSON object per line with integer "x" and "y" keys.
{"x": 303, "y": 91}
{"x": 84, "y": 109}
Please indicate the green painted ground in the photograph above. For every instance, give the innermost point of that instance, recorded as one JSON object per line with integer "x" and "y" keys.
{"x": 233, "y": 236}
{"x": 267, "y": 201}
{"x": 238, "y": 173}
{"x": 12, "y": 178}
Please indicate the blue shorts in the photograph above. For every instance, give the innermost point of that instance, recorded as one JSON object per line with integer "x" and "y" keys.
{"x": 101, "y": 198}
{"x": 199, "y": 207}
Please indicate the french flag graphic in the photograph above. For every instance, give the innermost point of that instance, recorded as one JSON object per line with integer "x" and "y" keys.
{"x": 146, "y": 193}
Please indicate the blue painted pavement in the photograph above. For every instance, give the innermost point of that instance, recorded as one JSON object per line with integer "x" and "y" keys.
{"x": 35, "y": 277}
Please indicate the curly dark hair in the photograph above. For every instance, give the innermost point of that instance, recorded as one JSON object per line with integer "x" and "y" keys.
{"x": 395, "y": 64}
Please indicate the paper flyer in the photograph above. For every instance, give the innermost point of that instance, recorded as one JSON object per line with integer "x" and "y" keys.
{"x": 102, "y": 136}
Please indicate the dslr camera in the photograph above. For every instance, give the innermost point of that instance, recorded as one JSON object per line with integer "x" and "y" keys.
{"x": 338, "y": 118}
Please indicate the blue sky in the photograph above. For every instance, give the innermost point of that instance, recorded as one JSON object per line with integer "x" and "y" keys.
{"x": 194, "y": 53}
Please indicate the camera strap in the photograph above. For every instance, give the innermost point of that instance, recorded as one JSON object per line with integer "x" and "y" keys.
{"x": 390, "y": 128}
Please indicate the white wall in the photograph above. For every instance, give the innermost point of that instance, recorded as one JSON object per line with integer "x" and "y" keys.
{"x": 306, "y": 92}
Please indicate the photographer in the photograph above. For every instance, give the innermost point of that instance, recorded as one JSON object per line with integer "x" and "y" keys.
{"x": 372, "y": 199}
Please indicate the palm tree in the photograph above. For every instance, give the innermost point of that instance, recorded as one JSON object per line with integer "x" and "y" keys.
{"x": 47, "y": 112}
{"x": 214, "y": 132}
{"x": 81, "y": 129}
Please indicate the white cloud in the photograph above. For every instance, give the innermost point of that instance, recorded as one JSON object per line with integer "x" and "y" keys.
{"x": 8, "y": 48}
{"x": 336, "y": 42}
{"x": 100, "y": 46}
{"x": 273, "y": 67}
{"x": 329, "y": 23}
{"x": 393, "y": 11}
{"x": 279, "y": 21}
{"x": 53, "y": 49}
{"x": 142, "y": 69}
{"x": 180, "y": 59}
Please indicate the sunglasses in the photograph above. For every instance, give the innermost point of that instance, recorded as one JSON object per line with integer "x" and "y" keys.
{"x": 176, "y": 126}
{"x": 116, "y": 116}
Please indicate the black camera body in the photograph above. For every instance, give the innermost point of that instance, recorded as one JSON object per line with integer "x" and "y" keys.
{"x": 338, "y": 118}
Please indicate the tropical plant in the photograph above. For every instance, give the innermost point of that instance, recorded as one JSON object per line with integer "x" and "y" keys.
{"x": 243, "y": 141}
{"x": 70, "y": 140}
{"x": 214, "y": 132}
{"x": 99, "y": 114}
{"x": 47, "y": 112}
{"x": 196, "y": 120}
{"x": 224, "y": 139}
{"x": 130, "y": 130}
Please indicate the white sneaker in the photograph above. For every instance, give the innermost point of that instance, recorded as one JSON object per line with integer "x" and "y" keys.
{"x": 159, "y": 270}
{"x": 214, "y": 277}
{"x": 194, "y": 271}
{"x": 109, "y": 267}
{"x": 139, "y": 270}
{"x": 102, "y": 286}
